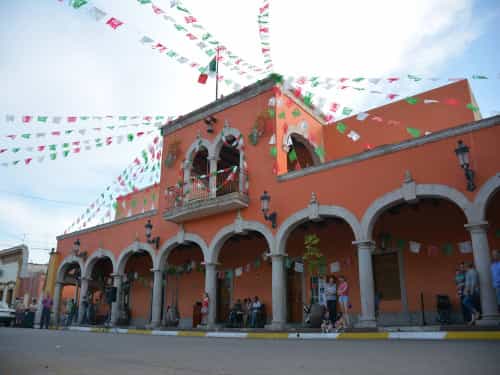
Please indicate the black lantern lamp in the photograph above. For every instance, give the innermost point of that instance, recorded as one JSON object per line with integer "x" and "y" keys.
{"x": 149, "y": 230}
{"x": 462, "y": 152}
{"x": 76, "y": 249}
{"x": 210, "y": 121}
{"x": 264, "y": 204}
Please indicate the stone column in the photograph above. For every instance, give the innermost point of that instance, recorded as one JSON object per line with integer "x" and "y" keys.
{"x": 213, "y": 177}
{"x": 366, "y": 283}
{"x": 482, "y": 261}
{"x": 83, "y": 296}
{"x": 4, "y": 295}
{"x": 279, "y": 292}
{"x": 211, "y": 289}
{"x": 116, "y": 306}
{"x": 56, "y": 302}
{"x": 156, "y": 305}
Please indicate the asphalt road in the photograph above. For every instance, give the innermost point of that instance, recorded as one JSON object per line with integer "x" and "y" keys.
{"x": 25, "y": 351}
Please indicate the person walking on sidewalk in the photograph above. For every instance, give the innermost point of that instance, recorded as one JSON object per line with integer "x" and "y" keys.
{"x": 471, "y": 292}
{"x": 495, "y": 274}
{"x": 46, "y": 309}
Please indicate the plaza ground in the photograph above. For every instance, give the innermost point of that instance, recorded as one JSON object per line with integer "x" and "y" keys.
{"x": 26, "y": 351}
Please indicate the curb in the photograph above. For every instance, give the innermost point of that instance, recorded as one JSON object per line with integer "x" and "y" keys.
{"x": 433, "y": 335}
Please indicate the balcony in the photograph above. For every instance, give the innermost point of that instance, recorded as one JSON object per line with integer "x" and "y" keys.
{"x": 206, "y": 195}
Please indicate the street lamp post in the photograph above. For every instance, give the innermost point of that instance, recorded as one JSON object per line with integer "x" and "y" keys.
{"x": 149, "y": 231}
{"x": 264, "y": 203}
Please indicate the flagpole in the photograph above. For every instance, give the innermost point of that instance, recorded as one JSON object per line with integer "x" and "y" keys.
{"x": 217, "y": 73}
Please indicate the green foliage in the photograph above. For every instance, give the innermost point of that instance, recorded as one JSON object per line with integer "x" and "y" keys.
{"x": 312, "y": 255}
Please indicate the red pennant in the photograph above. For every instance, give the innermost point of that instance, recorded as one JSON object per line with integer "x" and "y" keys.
{"x": 2, "y": 150}
{"x": 56, "y": 133}
{"x": 114, "y": 23}
{"x": 76, "y": 150}
{"x": 190, "y": 19}
{"x": 147, "y": 118}
{"x": 343, "y": 79}
{"x": 392, "y": 96}
{"x": 451, "y": 101}
{"x": 27, "y": 119}
{"x": 203, "y": 78}
{"x": 76, "y": 143}
{"x": 27, "y": 161}
{"x": 71, "y": 119}
{"x": 334, "y": 107}
{"x": 41, "y": 148}
{"x": 11, "y": 136}
{"x": 392, "y": 79}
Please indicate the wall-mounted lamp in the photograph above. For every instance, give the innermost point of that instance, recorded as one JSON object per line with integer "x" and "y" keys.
{"x": 149, "y": 230}
{"x": 210, "y": 121}
{"x": 76, "y": 249}
{"x": 264, "y": 204}
{"x": 462, "y": 152}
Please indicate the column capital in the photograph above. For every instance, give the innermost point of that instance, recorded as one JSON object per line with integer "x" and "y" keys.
{"x": 155, "y": 270}
{"x": 210, "y": 264}
{"x": 364, "y": 243}
{"x": 477, "y": 227}
{"x": 116, "y": 275}
{"x": 278, "y": 256}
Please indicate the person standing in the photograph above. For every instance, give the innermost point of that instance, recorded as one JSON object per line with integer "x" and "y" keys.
{"x": 204, "y": 309}
{"x": 255, "y": 313}
{"x": 46, "y": 310}
{"x": 343, "y": 293}
{"x": 471, "y": 292}
{"x": 70, "y": 308}
{"x": 495, "y": 274}
{"x": 460, "y": 285}
{"x": 331, "y": 298}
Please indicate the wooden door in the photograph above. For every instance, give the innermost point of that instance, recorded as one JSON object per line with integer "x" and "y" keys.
{"x": 294, "y": 296}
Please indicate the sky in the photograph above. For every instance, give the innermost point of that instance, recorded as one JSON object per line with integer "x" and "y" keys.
{"x": 59, "y": 61}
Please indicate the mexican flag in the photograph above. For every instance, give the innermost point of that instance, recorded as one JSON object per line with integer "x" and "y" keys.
{"x": 207, "y": 71}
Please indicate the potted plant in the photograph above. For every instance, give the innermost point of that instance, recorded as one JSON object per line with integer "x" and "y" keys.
{"x": 316, "y": 264}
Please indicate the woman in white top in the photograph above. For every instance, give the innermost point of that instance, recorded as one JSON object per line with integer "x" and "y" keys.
{"x": 331, "y": 298}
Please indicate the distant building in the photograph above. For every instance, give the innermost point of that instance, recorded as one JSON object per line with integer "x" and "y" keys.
{"x": 31, "y": 285}
{"x": 13, "y": 266}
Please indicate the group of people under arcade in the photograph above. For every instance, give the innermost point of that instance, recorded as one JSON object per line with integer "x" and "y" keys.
{"x": 247, "y": 314}
{"x": 336, "y": 294}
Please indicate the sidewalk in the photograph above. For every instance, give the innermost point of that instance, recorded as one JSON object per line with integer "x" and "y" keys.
{"x": 301, "y": 335}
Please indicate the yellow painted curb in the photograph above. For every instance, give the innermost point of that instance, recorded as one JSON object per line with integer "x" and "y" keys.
{"x": 487, "y": 335}
{"x": 364, "y": 336}
{"x": 139, "y": 331}
{"x": 254, "y": 335}
{"x": 191, "y": 334}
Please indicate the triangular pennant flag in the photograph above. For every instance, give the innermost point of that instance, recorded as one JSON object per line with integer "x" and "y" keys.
{"x": 341, "y": 127}
{"x": 415, "y": 133}
{"x": 114, "y": 23}
{"x": 415, "y": 247}
{"x": 362, "y": 116}
{"x": 97, "y": 14}
{"x": 353, "y": 135}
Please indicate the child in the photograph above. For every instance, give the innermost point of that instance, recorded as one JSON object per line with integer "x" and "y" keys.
{"x": 326, "y": 325}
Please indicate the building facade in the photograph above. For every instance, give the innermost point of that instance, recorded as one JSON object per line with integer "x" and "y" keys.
{"x": 13, "y": 267}
{"x": 392, "y": 211}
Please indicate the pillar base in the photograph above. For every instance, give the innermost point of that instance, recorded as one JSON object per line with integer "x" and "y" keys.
{"x": 366, "y": 323}
{"x": 489, "y": 321}
{"x": 276, "y": 326}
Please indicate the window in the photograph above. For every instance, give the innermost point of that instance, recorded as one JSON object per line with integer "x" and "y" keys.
{"x": 300, "y": 154}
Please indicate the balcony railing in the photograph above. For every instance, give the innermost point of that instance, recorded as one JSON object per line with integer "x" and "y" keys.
{"x": 206, "y": 195}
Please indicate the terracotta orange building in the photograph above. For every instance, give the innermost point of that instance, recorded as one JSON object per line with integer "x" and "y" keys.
{"x": 383, "y": 191}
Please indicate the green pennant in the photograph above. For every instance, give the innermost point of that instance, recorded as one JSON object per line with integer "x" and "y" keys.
{"x": 341, "y": 127}
{"x": 472, "y": 107}
{"x": 15, "y": 162}
{"x": 412, "y": 100}
{"x": 288, "y": 263}
{"x": 292, "y": 155}
{"x": 477, "y": 76}
{"x": 130, "y": 137}
{"x": 282, "y": 115}
{"x": 346, "y": 111}
{"x": 42, "y": 118}
{"x": 257, "y": 263}
{"x": 206, "y": 36}
{"x": 182, "y": 9}
{"x": 115, "y": 205}
{"x": 122, "y": 118}
{"x": 65, "y": 144}
{"x": 145, "y": 202}
{"x": 145, "y": 1}
{"x": 359, "y": 79}
{"x": 210, "y": 52}
{"x": 69, "y": 131}
{"x": 308, "y": 99}
{"x": 414, "y": 78}
{"x": 277, "y": 78}
{"x": 180, "y": 27}
{"x": 359, "y": 88}
{"x": 296, "y": 113}
{"x": 84, "y": 118}
{"x": 159, "y": 117}
{"x": 26, "y": 136}
{"x": 320, "y": 151}
{"x": 52, "y": 147}
{"x": 98, "y": 145}
{"x": 110, "y": 127}
{"x": 98, "y": 140}
{"x": 415, "y": 133}
{"x": 153, "y": 196}
{"x": 78, "y": 3}
{"x": 400, "y": 244}
{"x": 134, "y": 203}
{"x": 16, "y": 149}
{"x": 447, "y": 249}
{"x": 271, "y": 113}
{"x": 171, "y": 54}
{"x": 274, "y": 151}
{"x": 53, "y": 156}
{"x": 65, "y": 153}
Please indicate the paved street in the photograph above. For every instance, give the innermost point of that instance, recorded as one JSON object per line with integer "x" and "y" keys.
{"x": 25, "y": 351}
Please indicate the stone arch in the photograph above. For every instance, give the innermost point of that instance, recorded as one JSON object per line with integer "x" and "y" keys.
{"x": 132, "y": 249}
{"x": 170, "y": 245}
{"x": 307, "y": 214}
{"x": 195, "y": 146}
{"x": 301, "y": 134}
{"x": 484, "y": 195}
{"x": 422, "y": 190}
{"x": 94, "y": 257}
{"x": 239, "y": 226}
{"x": 66, "y": 263}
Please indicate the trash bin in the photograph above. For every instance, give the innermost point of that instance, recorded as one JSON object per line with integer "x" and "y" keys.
{"x": 29, "y": 319}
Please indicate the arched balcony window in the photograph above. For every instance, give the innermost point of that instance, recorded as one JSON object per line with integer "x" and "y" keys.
{"x": 300, "y": 153}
